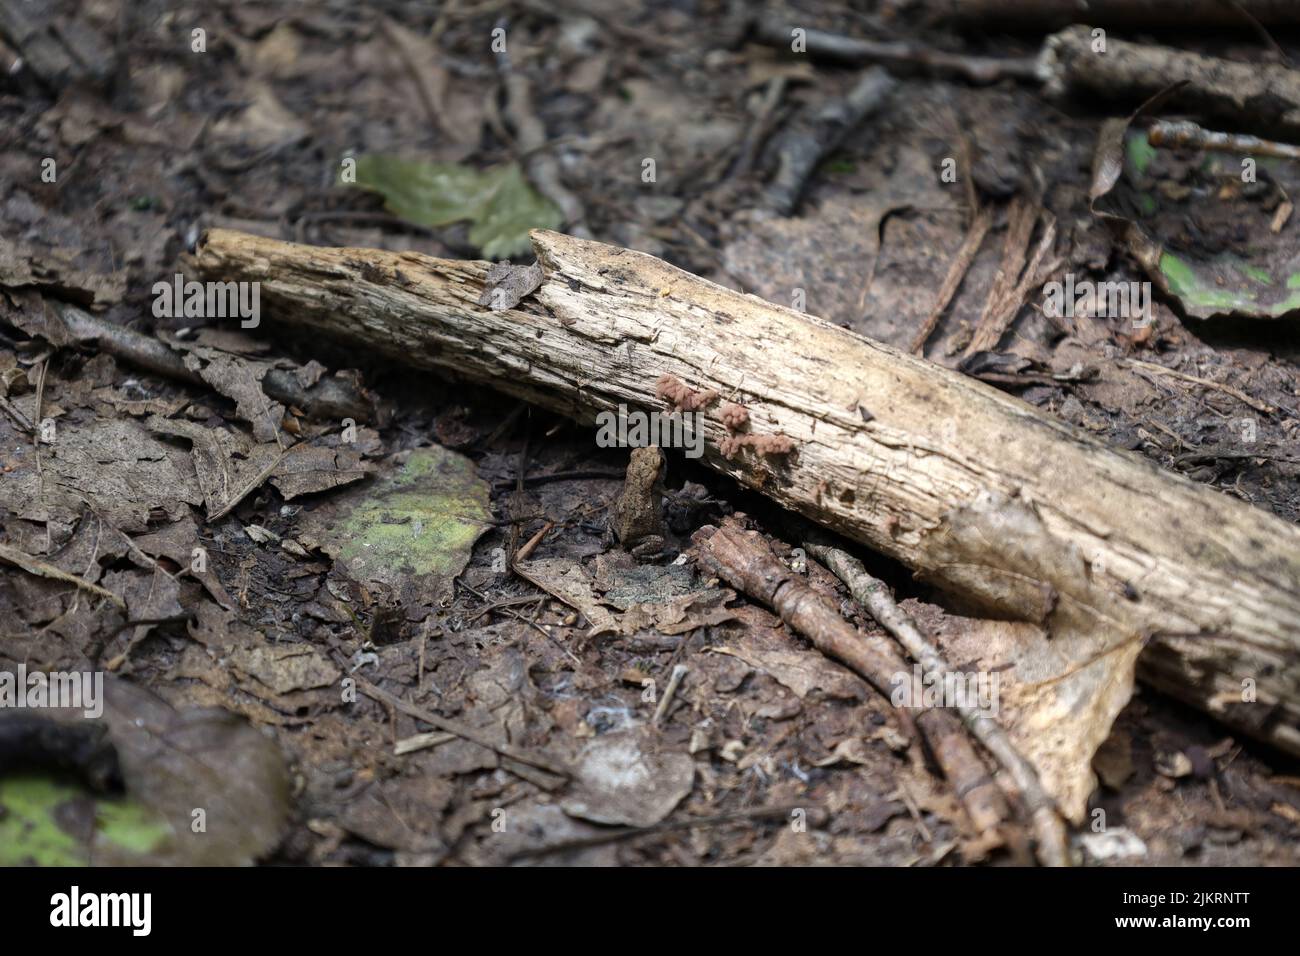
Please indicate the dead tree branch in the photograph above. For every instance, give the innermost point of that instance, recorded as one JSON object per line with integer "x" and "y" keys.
{"x": 872, "y": 594}
{"x": 745, "y": 560}
{"x": 976, "y": 491}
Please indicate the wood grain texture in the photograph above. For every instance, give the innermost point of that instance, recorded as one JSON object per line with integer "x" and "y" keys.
{"x": 971, "y": 488}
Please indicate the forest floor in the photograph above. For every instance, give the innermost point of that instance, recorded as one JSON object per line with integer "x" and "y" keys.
{"x": 249, "y": 134}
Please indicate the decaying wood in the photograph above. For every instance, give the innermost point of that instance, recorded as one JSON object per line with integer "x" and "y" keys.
{"x": 975, "y": 490}
{"x": 1264, "y": 95}
{"x": 872, "y": 594}
{"x": 745, "y": 560}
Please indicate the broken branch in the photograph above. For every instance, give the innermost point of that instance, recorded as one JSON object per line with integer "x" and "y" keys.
{"x": 745, "y": 560}
{"x": 872, "y": 594}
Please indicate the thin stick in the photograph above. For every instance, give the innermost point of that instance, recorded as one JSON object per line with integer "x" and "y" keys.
{"x": 531, "y": 544}
{"x": 745, "y": 560}
{"x": 960, "y": 265}
{"x": 1187, "y": 135}
{"x": 42, "y": 569}
{"x": 508, "y": 751}
{"x": 843, "y": 49}
{"x": 873, "y": 595}
{"x": 1236, "y": 393}
{"x": 670, "y": 691}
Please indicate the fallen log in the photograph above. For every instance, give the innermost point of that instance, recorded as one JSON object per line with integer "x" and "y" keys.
{"x": 1263, "y": 95}
{"x": 974, "y": 490}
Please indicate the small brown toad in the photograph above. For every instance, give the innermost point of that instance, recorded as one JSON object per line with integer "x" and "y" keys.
{"x": 637, "y": 519}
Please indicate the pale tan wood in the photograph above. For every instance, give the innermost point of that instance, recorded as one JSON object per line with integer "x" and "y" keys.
{"x": 973, "y": 489}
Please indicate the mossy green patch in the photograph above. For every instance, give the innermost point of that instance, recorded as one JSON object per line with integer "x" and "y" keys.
{"x": 33, "y": 833}
{"x": 412, "y": 530}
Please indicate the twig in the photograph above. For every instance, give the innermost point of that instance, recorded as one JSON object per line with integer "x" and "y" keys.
{"x": 800, "y": 147}
{"x": 960, "y": 265}
{"x": 408, "y": 745}
{"x": 531, "y": 544}
{"x": 332, "y": 398}
{"x": 33, "y": 565}
{"x": 1217, "y": 386}
{"x": 509, "y": 751}
{"x": 1187, "y": 135}
{"x": 19, "y": 418}
{"x": 758, "y": 129}
{"x": 873, "y": 595}
{"x": 745, "y": 560}
{"x": 1266, "y": 95}
{"x": 674, "y": 680}
{"x": 842, "y": 49}
{"x": 1031, "y": 14}
{"x": 1014, "y": 278}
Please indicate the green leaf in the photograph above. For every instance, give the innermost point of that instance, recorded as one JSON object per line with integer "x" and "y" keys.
{"x": 498, "y": 202}
{"x": 1211, "y": 287}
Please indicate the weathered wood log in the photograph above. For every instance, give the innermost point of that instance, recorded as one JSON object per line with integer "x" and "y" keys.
{"x": 973, "y": 489}
{"x": 1262, "y": 95}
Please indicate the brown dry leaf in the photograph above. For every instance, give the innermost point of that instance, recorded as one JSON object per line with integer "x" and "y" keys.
{"x": 225, "y": 462}
{"x": 319, "y": 467}
{"x": 671, "y": 600}
{"x": 1056, "y": 707}
{"x": 239, "y": 379}
{"x": 401, "y": 814}
{"x": 275, "y": 673}
{"x": 113, "y": 465}
{"x": 627, "y": 778}
{"x": 1061, "y": 691}
{"x": 192, "y": 766}
{"x": 177, "y": 542}
{"x": 53, "y": 272}
{"x": 263, "y": 124}
{"x": 680, "y": 615}
{"x": 765, "y": 644}
{"x": 423, "y": 59}
{"x": 564, "y": 579}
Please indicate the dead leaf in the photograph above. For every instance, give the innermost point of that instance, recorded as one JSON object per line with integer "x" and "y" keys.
{"x": 410, "y": 530}
{"x": 763, "y": 643}
{"x": 113, "y": 465}
{"x": 506, "y": 285}
{"x": 626, "y": 778}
